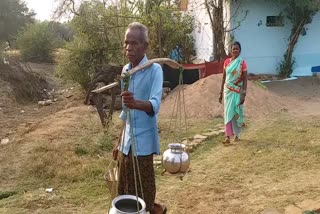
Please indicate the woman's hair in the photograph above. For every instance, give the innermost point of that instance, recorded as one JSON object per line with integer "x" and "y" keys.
{"x": 142, "y": 28}
{"x": 237, "y": 43}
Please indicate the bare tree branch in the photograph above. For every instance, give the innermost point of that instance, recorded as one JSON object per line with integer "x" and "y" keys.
{"x": 64, "y": 7}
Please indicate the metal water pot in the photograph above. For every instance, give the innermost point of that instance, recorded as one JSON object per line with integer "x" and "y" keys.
{"x": 175, "y": 159}
{"x": 127, "y": 204}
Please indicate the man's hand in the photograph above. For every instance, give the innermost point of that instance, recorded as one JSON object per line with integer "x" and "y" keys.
{"x": 220, "y": 98}
{"x": 128, "y": 99}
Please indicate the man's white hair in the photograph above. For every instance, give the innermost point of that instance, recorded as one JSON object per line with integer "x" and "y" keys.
{"x": 142, "y": 28}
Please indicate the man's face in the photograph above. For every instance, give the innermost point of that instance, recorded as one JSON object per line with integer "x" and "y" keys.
{"x": 134, "y": 46}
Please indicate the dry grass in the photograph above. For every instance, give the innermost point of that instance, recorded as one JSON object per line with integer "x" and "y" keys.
{"x": 275, "y": 164}
{"x": 72, "y": 164}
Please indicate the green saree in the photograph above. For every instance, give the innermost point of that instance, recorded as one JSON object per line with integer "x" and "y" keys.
{"x": 232, "y": 93}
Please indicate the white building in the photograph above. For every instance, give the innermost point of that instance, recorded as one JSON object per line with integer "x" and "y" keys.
{"x": 263, "y": 35}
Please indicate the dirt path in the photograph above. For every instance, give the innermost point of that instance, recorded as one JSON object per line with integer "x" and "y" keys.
{"x": 301, "y": 95}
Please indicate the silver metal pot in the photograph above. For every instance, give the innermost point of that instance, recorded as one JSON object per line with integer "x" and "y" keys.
{"x": 127, "y": 204}
{"x": 175, "y": 159}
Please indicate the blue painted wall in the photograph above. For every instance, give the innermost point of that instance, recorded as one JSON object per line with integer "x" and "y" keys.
{"x": 307, "y": 52}
{"x": 263, "y": 47}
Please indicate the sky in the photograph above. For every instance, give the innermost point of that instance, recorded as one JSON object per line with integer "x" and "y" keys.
{"x": 43, "y": 8}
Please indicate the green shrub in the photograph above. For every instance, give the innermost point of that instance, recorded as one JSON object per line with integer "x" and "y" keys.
{"x": 37, "y": 42}
{"x": 98, "y": 38}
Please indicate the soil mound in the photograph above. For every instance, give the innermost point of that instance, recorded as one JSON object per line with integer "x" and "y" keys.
{"x": 201, "y": 100}
{"x": 18, "y": 83}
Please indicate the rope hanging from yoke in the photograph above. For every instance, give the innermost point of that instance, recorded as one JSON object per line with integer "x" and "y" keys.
{"x": 179, "y": 106}
{"x": 135, "y": 161}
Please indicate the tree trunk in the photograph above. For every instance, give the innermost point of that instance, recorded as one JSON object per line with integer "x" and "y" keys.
{"x": 218, "y": 31}
{"x": 287, "y": 65}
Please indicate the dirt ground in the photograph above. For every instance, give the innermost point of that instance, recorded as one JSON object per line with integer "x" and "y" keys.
{"x": 299, "y": 98}
{"x": 15, "y": 116}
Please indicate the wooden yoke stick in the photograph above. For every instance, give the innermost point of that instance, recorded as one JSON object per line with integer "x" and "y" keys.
{"x": 169, "y": 62}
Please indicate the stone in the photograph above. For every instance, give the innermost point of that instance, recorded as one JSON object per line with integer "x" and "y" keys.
{"x": 292, "y": 209}
{"x": 45, "y": 102}
{"x": 157, "y": 162}
{"x": 5, "y": 141}
{"x": 157, "y": 158}
{"x": 49, "y": 190}
{"x": 309, "y": 205}
{"x": 198, "y": 136}
{"x": 185, "y": 142}
{"x": 219, "y": 125}
{"x": 92, "y": 108}
{"x": 212, "y": 133}
{"x": 221, "y": 131}
{"x": 197, "y": 141}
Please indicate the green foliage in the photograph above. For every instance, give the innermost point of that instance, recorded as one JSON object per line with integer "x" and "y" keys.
{"x": 37, "y": 42}
{"x": 300, "y": 13}
{"x": 14, "y": 14}
{"x": 62, "y": 31}
{"x": 98, "y": 38}
{"x": 105, "y": 143}
{"x": 311, "y": 212}
{"x": 92, "y": 146}
{"x": 80, "y": 151}
{"x": 168, "y": 27}
{"x": 6, "y": 194}
{"x": 99, "y": 34}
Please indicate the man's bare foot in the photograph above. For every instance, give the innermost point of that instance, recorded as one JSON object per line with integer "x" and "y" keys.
{"x": 158, "y": 209}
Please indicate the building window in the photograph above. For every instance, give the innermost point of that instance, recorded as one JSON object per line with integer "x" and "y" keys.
{"x": 275, "y": 21}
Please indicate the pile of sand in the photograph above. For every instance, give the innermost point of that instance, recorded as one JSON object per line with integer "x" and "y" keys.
{"x": 201, "y": 100}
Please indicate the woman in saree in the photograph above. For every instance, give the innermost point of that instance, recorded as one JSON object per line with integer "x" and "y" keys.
{"x": 233, "y": 93}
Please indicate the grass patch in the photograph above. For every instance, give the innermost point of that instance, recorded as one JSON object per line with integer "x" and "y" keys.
{"x": 6, "y": 194}
{"x": 276, "y": 164}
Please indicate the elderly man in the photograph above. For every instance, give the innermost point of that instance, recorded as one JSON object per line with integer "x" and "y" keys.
{"x": 140, "y": 127}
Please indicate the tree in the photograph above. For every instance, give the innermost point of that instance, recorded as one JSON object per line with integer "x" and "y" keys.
{"x": 168, "y": 27}
{"x": 300, "y": 13}
{"x": 66, "y": 7}
{"x": 215, "y": 9}
{"x": 37, "y": 42}
{"x": 61, "y": 30}
{"x": 14, "y": 14}
{"x": 99, "y": 29}
{"x": 98, "y": 39}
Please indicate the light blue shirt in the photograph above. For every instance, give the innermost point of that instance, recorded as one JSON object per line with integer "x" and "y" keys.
{"x": 146, "y": 85}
